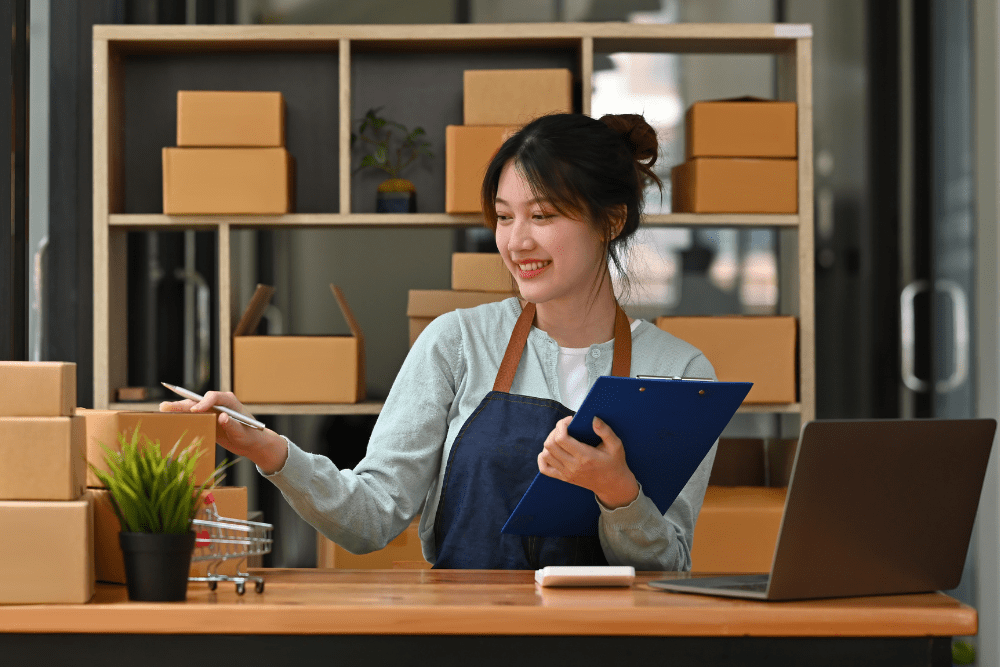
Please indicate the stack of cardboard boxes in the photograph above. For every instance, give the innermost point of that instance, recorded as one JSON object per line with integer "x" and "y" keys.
{"x": 476, "y": 278}
{"x": 102, "y": 427}
{"x": 495, "y": 104}
{"x": 231, "y": 156}
{"x": 46, "y": 517}
{"x": 741, "y": 158}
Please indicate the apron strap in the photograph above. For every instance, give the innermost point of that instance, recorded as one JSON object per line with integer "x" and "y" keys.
{"x": 621, "y": 365}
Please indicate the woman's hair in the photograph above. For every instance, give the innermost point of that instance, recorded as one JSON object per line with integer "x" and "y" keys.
{"x": 589, "y": 170}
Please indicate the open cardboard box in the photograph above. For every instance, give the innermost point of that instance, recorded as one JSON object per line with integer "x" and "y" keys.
{"x": 297, "y": 369}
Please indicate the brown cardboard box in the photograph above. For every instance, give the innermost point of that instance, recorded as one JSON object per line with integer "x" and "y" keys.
{"x": 741, "y": 128}
{"x": 230, "y": 118}
{"x": 103, "y": 426}
{"x": 745, "y": 349}
{"x": 515, "y": 96}
{"x": 404, "y": 551}
{"x": 468, "y": 151}
{"x": 231, "y": 503}
{"x": 735, "y": 185}
{"x": 737, "y": 529}
{"x": 480, "y": 272}
{"x": 48, "y": 552}
{"x": 42, "y": 458}
{"x": 425, "y": 305}
{"x": 297, "y": 369}
{"x": 37, "y": 388}
{"x": 225, "y": 181}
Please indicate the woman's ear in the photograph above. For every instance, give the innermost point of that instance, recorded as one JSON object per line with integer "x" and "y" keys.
{"x": 619, "y": 215}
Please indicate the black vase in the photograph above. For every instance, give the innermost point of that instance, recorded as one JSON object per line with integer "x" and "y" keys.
{"x": 157, "y": 565}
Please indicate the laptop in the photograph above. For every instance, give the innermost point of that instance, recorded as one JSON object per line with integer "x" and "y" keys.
{"x": 873, "y": 508}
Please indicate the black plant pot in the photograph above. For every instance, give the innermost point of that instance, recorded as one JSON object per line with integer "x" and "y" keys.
{"x": 157, "y": 565}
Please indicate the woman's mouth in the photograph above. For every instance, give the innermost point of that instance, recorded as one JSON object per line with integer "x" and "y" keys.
{"x": 526, "y": 270}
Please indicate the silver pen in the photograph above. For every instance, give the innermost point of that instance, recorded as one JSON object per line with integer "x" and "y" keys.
{"x": 243, "y": 419}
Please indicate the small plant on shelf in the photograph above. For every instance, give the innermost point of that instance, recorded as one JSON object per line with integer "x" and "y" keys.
{"x": 155, "y": 498}
{"x": 391, "y": 147}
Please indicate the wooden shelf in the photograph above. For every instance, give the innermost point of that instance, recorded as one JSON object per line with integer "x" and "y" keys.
{"x": 375, "y": 407}
{"x": 363, "y": 408}
{"x": 734, "y": 38}
{"x": 160, "y": 222}
{"x": 342, "y": 48}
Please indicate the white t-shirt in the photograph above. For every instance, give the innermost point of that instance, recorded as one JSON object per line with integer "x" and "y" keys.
{"x": 573, "y": 381}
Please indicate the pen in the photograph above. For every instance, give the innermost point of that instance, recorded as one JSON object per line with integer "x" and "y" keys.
{"x": 243, "y": 419}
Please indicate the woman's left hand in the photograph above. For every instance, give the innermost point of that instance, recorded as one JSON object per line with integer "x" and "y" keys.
{"x": 602, "y": 469}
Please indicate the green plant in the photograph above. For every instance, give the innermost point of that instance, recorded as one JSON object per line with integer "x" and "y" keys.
{"x": 151, "y": 493}
{"x": 389, "y": 152}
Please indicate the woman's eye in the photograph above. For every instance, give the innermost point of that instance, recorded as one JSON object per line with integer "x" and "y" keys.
{"x": 502, "y": 219}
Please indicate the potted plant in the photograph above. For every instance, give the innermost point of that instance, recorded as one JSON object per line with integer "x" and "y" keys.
{"x": 392, "y": 147}
{"x": 155, "y": 498}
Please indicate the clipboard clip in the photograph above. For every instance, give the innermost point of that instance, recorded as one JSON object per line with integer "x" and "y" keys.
{"x": 671, "y": 377}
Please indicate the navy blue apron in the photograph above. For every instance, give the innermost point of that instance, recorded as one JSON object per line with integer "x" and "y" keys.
{"x": 492, "y": 462}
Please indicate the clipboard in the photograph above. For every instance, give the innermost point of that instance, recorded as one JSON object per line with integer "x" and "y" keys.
{"x": 667, "y": 426}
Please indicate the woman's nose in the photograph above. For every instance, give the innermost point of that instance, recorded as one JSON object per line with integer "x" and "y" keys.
{"x": 520, "y": 234}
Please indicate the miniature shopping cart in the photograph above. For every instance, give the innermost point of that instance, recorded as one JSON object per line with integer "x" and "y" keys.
{"x": 220, "y": 539}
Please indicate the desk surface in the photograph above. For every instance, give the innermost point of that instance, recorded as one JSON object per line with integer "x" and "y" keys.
{"x": 415, "y": 602}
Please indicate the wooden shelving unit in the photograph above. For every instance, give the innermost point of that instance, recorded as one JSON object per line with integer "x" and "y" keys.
{"x": 117, "y": 48}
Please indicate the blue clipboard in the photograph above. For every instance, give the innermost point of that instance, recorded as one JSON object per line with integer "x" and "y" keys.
{"x": 667, "y": 426}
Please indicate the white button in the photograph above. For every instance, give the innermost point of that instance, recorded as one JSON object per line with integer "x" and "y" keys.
{"x": 596, "y": 353}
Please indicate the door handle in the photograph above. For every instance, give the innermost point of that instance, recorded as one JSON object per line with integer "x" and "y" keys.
{"x": 960, "y": 313}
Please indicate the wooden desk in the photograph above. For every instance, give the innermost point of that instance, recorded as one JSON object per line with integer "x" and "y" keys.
{"x": 403, "y": 617}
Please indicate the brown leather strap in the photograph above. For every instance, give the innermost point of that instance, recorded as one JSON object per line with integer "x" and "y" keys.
{"x": 512, "y": 357}
{"x": 621, "y": 365}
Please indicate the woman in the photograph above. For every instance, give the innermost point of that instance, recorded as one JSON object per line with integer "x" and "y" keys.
{"x": 483, "y": 400}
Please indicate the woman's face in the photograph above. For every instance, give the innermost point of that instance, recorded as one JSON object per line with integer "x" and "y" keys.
{"x": 552, "y": 257}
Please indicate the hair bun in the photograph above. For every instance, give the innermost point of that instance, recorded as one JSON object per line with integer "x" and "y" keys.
{"x": 640, "y": 137}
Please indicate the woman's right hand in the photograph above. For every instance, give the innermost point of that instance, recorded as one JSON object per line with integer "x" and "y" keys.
{"x": 264, "y": 447}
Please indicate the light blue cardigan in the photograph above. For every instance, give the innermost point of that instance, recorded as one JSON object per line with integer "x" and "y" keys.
{"x": 449, "y": 370}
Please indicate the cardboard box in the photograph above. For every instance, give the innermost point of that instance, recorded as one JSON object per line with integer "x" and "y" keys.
{"x": 230, "y": 501}
{"x": 210, "y": 181}
{"x": 297, "y": 369}
{"x": 230, "y": 118}
{"x": 745, "y": 349}
{"x": 480, "y": 272}
{"x": 103, "y": 426}
{"x": 424, "y": 305}
{"x": 404, "y": 551}
{"x": 735, "y": 185}
{"x": 468, "y": 151}
{"x": 48, "y": 552}
{"x": 737, "y": 529}
{"x": 37, "y": 388}
{"x": 745, "y": 127}
{"x": 42, "y": 458}
{"x": 515, "y": 96}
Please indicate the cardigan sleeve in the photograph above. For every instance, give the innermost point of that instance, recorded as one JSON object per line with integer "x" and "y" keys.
{"x": 639, "y": 535}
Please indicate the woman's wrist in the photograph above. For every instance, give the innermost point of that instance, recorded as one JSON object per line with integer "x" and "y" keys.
{"x": 620, "y": 494}
{"x": 272, "y": 454}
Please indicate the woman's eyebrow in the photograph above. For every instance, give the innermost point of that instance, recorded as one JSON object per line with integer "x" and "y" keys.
{"x": 536, "y": 200}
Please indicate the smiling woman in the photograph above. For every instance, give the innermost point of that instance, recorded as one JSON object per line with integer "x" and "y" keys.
{"x": 483, "y": 400}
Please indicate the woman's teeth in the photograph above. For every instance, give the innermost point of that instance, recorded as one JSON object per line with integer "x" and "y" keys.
{"x": 533, "y": 266}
